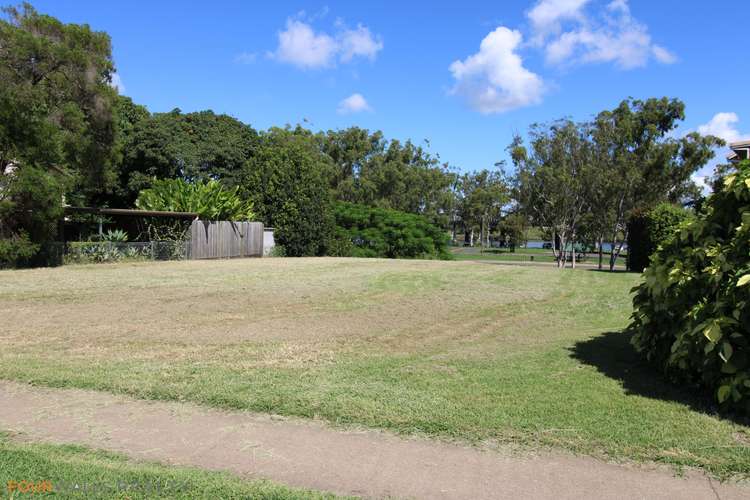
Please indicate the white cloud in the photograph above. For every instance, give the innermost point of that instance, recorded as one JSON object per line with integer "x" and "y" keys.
{"x": 611, "y": 36}
{"x": 359, "y": 42}
{"x": 494, "y": 79}
{"x": 547, "y": 15}
{"x": 301, "y": 46}
{"x": 724, "y": 125}
{"x": 117, "y": 84}
{"x": 355, "y": 103}
{"x": 663, "y": 55}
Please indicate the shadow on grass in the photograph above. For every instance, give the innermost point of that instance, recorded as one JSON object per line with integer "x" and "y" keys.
{"x": 613, "y": 355}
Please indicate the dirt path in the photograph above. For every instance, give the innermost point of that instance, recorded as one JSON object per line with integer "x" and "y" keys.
{"x": 311, "y": 455}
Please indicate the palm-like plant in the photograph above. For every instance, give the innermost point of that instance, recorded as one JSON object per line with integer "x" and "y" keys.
{"x": 210, "y": 200}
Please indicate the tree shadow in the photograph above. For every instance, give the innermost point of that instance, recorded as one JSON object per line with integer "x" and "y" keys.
{"x": 613, "y": 355}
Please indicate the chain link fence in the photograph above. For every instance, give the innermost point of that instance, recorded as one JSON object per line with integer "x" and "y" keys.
{"x": 91, "y": 252}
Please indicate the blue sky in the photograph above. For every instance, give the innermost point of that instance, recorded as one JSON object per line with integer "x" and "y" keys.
{"x": 465, "y": 75}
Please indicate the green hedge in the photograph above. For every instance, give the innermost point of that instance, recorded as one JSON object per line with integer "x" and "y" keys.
{"x": 692, "y": 313}
{"x": 363, "y": 231}
{"x": 646, "y": 231}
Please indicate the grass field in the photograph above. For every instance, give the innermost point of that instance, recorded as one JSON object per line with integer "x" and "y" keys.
{"x": 30, "y": 470}
{"x": 530, "y": 357}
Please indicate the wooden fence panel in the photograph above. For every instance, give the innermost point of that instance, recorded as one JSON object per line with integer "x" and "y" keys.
{"x": 225, "y": 239}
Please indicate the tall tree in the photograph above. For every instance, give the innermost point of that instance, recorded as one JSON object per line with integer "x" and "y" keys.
{"x": 551, "y": 180}
{"x": 56, "y": 100}
{"x": 641, "y": 164}
{"x": 57, "y": 132}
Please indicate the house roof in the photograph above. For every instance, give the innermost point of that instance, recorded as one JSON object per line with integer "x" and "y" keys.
{"x": 735, "y": 146}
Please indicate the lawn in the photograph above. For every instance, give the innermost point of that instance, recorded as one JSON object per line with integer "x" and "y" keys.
{"x": 28, "y": 470}
{"x": 527, "y": 357}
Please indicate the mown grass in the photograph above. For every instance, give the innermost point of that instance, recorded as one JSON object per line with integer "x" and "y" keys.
{"x": 67, "y": 471}
{"x": 519, "y": 356}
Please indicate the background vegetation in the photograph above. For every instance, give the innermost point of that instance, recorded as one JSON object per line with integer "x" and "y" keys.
{"x": 64, "y": 125}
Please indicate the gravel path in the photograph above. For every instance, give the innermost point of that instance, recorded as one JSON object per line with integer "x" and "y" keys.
{"x": 312, "y": 455}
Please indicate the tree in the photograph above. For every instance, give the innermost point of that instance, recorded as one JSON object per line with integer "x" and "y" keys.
{"x": 29, "y": 213}
{"x": 551, "y": 180}
{"x": 192, "y": 146}
{"x": 57, "y": 132}
{"x": 370, "y": 170}
{"x": 482, "y": 196}
{"x": 288, "y": 179}
{"x": 56, "y": 101}
{"x": 639, "y": 164}
{"x": 512, "y": 230}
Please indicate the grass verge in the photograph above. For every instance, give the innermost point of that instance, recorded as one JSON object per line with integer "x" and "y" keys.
{"x": 29, "y": 470}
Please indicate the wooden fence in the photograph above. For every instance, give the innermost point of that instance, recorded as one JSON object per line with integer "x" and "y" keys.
{"x": 223, "y": 239}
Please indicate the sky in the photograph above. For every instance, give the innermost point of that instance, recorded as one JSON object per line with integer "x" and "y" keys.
{"x": 460, "y": 78}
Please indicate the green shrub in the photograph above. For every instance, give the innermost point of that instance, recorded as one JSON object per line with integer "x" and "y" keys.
{"x": 692, "y": 313}
{"x": 380, "y": 232}
{"x": 210, "y": 200}
{"x": 16, "y": 250}
{"x": 646, "y": 231}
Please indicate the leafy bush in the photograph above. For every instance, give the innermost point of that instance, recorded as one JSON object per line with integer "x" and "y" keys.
{"x": 646, "y": 231}
{"x": 692, "y": 313}
{"x": 210, "y": 200}
{"x": 379, "y": 232}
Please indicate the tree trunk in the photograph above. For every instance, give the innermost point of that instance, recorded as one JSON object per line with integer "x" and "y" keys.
{"x": 601, "y": 238}
{"x": 573, "y": 252}
{"x": 471, "y": 238}
{"x": 561, "y": 255}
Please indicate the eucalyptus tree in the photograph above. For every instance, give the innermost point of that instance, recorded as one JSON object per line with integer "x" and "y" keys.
{"x": 552, "y": 180}
{"x": 640, "y": 162}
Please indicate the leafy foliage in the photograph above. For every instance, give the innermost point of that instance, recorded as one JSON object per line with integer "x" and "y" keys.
{"x": 210, "y": 200}
{"x": 193, "y": 146}
{"x": 646, "y": 231}
{"x": 30, "y": 209}
{"x": 55, "y": 99}
{"x": 378, "y": 232}
{"x": 287, "y": 179}
{"x": 373, "y": 171}
{"x": 692, "y": 313}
